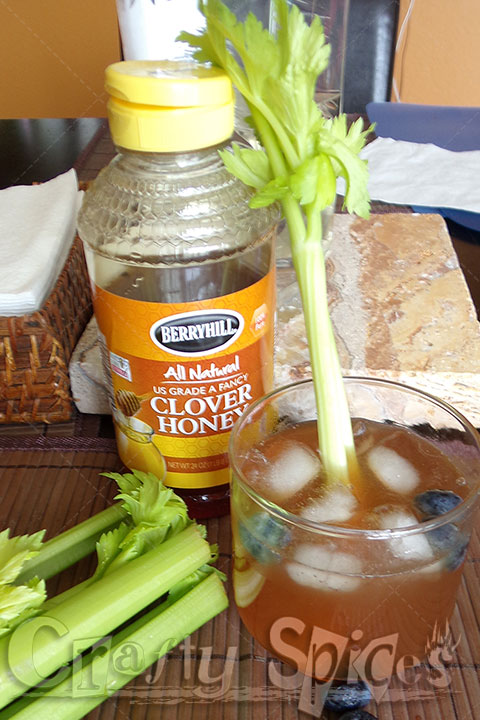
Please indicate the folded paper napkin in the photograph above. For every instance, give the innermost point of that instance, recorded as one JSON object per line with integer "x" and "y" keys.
{"x": 407, "y": 173}
{"x": 37, "y": 228}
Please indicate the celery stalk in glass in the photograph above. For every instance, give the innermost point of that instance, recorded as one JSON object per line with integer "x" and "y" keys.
{"x": 303, "y": 155}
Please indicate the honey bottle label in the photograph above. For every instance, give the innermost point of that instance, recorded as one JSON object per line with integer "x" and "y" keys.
{"x": 187, "y": 371}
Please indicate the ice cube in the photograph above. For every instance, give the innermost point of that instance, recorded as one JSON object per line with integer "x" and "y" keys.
{"x": 294, "y": 468}
{"x": 394, "y": 471}
{"x": 410, "y": 547}
{"x": 434, "y": 568}
{"x": 336, "y": 505}
{"x": 323, "y": 568}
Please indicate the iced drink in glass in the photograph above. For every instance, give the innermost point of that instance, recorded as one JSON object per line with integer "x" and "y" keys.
{"x": 327, "y": 574}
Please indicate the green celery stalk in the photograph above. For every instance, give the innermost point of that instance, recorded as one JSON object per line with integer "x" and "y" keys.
{"x": 340, "y": 460}
{"x": 335, "y": 436}
{"x": 155, "y": 634}
{"x": 153, "y": 513}
{"x": 79, "y": 621}
{"x": 303, "y": 155}
{"x": 71, "y": 546}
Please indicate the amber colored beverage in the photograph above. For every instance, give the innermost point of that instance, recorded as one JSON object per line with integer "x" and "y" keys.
{"x": 328, "y": 577}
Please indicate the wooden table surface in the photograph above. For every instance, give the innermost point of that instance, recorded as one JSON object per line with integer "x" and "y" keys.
{"x": 50, "y": 478}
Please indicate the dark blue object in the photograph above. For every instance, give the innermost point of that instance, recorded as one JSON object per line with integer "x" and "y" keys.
{"x": 457, "y": 556}
{"x": 349, "y": 696}
{"x": 437, "y": 502}
{"x": 262, "y": 535}
{"x": 357, "y": 715}
{"x": 444, "y": 537}
{"x": 451, "y": 128}
{"x": 448, "y": 538}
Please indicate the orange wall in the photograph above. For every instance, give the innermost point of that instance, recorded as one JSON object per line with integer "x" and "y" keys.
{"x": 438, "y": 61}
{"x": 53, "y": 54}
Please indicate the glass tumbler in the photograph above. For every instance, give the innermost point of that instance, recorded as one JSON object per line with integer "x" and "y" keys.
{"x": 328, "y": 577}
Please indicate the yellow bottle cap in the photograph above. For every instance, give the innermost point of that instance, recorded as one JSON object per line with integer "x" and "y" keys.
{"x": 167, "y": 105}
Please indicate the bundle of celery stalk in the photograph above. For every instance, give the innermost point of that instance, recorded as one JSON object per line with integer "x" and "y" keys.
{"x": 149, "y": 554}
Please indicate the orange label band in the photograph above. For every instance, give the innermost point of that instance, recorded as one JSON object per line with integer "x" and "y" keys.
{"x": 182, "y": 374}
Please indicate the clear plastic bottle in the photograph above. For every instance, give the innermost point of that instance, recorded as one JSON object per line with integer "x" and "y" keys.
{"x": 182, "y": 272}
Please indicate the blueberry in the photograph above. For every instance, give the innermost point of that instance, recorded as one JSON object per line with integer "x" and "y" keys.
{"x": 457, "y": 556}
{"x": 444, "y": 537}
{"x": 448, "y": 539}
{"x": 348, "y": 697}
{"x": 357, "y": 715}
{"x": 262, "y": 536}
{"x": 437, "y": 502}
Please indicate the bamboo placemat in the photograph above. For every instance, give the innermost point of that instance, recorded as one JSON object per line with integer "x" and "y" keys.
{"x": 220, "y": 672}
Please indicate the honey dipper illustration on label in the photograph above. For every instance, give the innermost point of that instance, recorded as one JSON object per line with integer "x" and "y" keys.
{"x": 128, "y": 402}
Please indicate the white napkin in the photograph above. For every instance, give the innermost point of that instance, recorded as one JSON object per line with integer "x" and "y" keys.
{"x": 408, "y": 173}
{"x": 37, "y": 228}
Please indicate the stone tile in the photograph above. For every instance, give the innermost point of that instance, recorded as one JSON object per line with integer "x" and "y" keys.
{"x": 400, "y": 307}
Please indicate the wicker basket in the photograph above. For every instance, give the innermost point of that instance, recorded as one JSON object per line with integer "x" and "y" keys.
{"x": 35, "y": 349}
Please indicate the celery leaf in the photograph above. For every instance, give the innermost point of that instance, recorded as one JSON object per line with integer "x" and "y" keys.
{"x": 251, "y": 166}
{"x": 314, "y": 181}
{"x": 17, "y": 602}
{"x": 276, "y": 189}
{"x": 343, "y": 146}
{"x": 156, "y": 513}
{"x": 109, "y": 547}
{"x": 15, "y": 551}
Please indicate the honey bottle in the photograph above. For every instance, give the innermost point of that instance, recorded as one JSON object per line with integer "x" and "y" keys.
{"x": 182, "y": 273}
